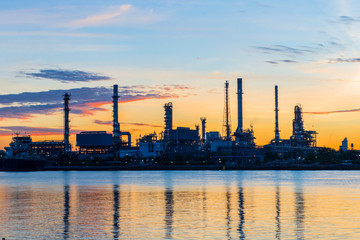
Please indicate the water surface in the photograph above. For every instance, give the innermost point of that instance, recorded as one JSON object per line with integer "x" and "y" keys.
{"x": 180, "y": 205}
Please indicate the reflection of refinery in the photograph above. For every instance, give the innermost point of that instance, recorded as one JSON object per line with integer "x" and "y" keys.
{"x": 172, "y": 146}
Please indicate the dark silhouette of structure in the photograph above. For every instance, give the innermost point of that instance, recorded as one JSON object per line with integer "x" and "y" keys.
{"x": 174, "y": 146}
{"x": 244, "y": 138}
{"x": 203, "y": 129}
{"x": 239, "y": 128}
{"x": 277, "y": 132}
{"x": 301, "y": 137}
{"x": 116, "y": 125}
{"x": 168, "y": 120}
{"x": 227, "y": 118}
{"x": 66, "y": 125}
{"x": 277, "y": 140}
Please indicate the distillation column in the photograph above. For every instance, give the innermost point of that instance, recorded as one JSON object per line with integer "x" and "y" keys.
{"x": 168, "y": 120}
{"x": 203, "y": 132}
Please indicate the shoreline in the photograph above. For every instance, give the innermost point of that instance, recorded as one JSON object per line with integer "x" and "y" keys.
{"x": 200, "y": 168}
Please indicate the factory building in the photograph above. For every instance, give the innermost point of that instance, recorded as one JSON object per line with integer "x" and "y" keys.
{"x": 239, "y": 152}
{"x": 300, "y": 143}
{"x": 181, "y": 141}
{"x": 106, "y": 145}
{"x": 47, "y": 149}
{"x": 150, "y": 146}
{"x": 94, "y": 142}
{"x": 212, "y": 136}
{"x": 184, "y": 135}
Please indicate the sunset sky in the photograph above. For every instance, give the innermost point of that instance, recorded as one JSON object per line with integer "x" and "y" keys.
{"x": 180, "y": 52}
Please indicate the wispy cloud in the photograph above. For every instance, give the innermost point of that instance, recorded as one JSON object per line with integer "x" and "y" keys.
{"x": 84, "y": 101}
{"x": 10, "y": 130}
{"x": 66, "y": 75}
{"x": 288, "y": 61}
{"x": 100, "y": 122}
{"x": 344, "y": 60}
{"x": 347, "y": 19}
{"x": 117, "y": 15}
{"x": 272, "y": 62}
{"x": 128, "y": 124}
{"x": 283, "y": 61}
{"x": 26, "y": 112}
{"x": 331, "y": 112}
{"x": 283, "y": 49}
{"x": 104, "y": 18}
{"x": 68, "y": 17}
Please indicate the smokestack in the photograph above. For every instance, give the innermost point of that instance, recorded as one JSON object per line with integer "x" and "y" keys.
{"x": 203, "y": 125}
{"x": 240, "y": 110}
{"x": 168, "y": 120}
{"x": 277, "y": 132}
{"x": 66, "y": 122}
{"x": 116, "y": 125}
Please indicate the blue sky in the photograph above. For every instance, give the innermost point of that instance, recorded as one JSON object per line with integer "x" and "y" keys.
{"x": 309, "y": 48}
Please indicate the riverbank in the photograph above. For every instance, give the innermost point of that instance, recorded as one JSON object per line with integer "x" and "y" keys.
{"x": 202, "y": 167}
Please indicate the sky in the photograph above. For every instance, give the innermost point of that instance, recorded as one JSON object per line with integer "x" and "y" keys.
{"x": 180, "y": 52}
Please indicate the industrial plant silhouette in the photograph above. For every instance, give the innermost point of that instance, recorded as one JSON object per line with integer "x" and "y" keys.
{"x": 180, "y": 148}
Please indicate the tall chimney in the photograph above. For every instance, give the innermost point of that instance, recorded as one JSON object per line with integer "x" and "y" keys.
{"x": 116, "y": 125}
{"x": 277, "y": 134}
{"x": 240, "y": 110}
{"x": 66, "y": 122}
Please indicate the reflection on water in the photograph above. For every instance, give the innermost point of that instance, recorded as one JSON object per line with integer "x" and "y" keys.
{"x": 228, "y": 211}
{"x": 277, "y": 217}
{"x": 180, "y": 205}
{"x": 241, "y": 214}
{"x": 116, "y": 211}
{"x": 300, "y": 212}
{"x": 169, "y": 210}
{"x": 66, "y": 206}
{"x": 66, "y": 211}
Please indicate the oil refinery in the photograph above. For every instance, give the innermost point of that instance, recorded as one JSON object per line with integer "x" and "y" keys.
{"x": 171, "y": 147}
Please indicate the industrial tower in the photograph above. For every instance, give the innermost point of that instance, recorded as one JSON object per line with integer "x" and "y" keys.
{"x": 298, "y": 126}
{"x": 301, "y": 137}
{"x": 168, "y": 120}
{"x": 244, "y": 137}
{"x": 203, "y": 131}
{"x": 239, "y": 129}
{"x": 66, "y": 122}
{"x": 277, "y": 132}
{"x": 116, "y": 125}
{"x": 227, "y": 117}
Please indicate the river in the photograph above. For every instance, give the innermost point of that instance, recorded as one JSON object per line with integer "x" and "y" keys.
{"x": 180, "y": 205}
